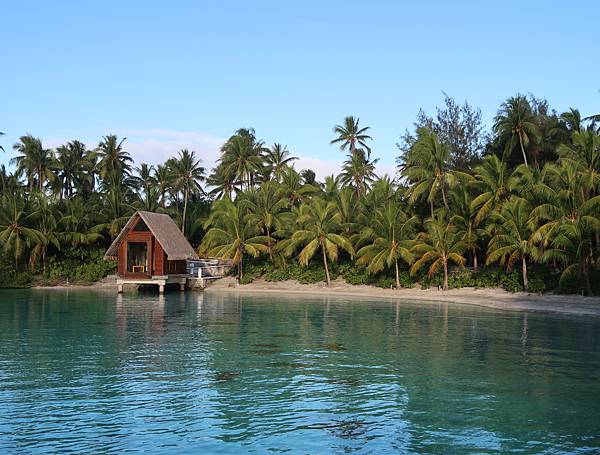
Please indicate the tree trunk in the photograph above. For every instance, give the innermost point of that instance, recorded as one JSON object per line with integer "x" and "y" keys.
{"x": 444, "y": 198}
{"x": 397, "y": 276}
{"x": 474, "y": 259}
{"x": 523, "y": 150}
{"x": 240, "y": 270}
{"x": 325, "y": 265}
{"x": 44, "y": 260}
{"x": 184, "y": 211}
{"x": 525, "y": 280}
{"x": 445, "y": 287}
{"x": 431, "y": 206}
{"x": 270, "y": 246}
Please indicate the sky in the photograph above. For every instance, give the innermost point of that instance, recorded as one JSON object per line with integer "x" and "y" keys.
{"x": 178, "y": 74}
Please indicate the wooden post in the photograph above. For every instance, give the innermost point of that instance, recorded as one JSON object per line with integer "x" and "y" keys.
{"x": 120, "y": 288}
{"x": 161, "y": 288}
{"x": 182, "y": 286}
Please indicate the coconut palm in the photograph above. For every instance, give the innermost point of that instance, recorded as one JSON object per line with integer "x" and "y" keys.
{"x": 349, "y": 135}
{"x": 568, "y": 220}
{"x": 241, "y": 156}
{"x": 492, "y": 184}
{"x": 187, "y": 174}
{"x": 163, "y": 180}
{"x": 46, "y": 223}
{"x": 439, "y": 245}
{"x": 516, "y": 120}
{"x": 277, "y": 158}
{"x": 318, "y": 228}
{"x": 585, "y": 152}
{"x": 114, "y": 163}
{"x": 34, "y": 161}
{"x": 74, "y": 168}
{"x": 2, "y": 134}
{"x": 427, "y": 169}
{"x": 16, "y": 233}
{"x": 465, "y": 220}
{"x": 390, "y": 236}
{"x": 265, "y": 206}
{"x": 514, "y": 238}
{"x": 293, "y": 188}
{"x": 232, "y": 234}
{"x": 358, "y": 172}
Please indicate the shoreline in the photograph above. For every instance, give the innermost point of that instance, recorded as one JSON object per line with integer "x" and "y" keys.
{"x": 494, "y": 298}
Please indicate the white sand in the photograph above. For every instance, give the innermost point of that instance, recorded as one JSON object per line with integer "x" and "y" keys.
{"x": 488, "y": 297}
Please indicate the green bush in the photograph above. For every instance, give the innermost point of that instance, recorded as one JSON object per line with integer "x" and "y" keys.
{"x": 10, "y": 277}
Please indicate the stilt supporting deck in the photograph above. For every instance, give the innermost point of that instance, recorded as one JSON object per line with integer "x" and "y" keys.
{"x": 160, "y": 281}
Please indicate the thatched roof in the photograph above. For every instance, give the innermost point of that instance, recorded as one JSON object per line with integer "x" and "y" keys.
{"x": 166, "y": 232}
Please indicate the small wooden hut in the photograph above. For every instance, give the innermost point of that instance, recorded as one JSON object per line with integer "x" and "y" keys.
{"x": 151, "y": 249}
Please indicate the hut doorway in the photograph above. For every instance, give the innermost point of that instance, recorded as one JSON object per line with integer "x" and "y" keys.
{"x": 137, "y": 257}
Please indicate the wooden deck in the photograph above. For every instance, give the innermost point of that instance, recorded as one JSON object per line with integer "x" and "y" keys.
{"x": 160, "y": 281}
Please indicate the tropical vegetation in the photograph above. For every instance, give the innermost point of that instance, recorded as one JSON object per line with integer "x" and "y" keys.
{"x": 517, "y": 205}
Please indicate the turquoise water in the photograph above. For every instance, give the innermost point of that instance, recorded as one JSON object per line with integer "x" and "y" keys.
{"x": 90, "y": 372}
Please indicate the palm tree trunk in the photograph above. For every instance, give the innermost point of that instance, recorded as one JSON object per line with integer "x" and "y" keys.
{"x": 325, "y": 265}
{"x": 525, "y": 280}
{"x": 184, "y": 211}
{"x": 444, "y": 197}
{"x": 586, "y": 278}
{"x": 523, "y": 150}
{"x": 397, "y": 275}
{"x": 269, "y": 245}
{"x": 474, "y": 259}
{"x": 445, "y": 287}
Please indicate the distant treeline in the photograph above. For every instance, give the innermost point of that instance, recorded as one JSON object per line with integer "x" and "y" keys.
{"x": 522, "y": 197}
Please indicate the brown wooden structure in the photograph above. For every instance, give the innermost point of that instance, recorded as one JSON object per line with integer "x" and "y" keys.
{"x": 151, "y": 249}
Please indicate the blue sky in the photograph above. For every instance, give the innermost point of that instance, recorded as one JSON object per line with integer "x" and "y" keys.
{"x": 179, "y": 74}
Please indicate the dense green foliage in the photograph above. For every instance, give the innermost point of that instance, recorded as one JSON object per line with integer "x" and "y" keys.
{"x": 521, "y": 200}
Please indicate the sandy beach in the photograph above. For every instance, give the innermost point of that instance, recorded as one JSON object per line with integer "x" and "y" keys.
{"x": 489, "y": 297}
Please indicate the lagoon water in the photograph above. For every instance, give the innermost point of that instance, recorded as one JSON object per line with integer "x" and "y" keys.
{"x": 92, "y": 372}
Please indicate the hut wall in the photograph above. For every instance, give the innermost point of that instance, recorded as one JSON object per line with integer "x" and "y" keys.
{"x": 159, "y": 259}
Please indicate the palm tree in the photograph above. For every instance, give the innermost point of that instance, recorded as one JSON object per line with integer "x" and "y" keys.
{"x": 514, "y": 237}
{"x": 358, "y": 172}
{"x": 15, "y": 233}
{"x": 492, "y": 182}
{"x": 350, "y": 134}
{"x": 277, "y": 158}
{"x": 241, "y": 156}
{"x": 568, "y": 220}
{"x": 187, "y": 175}
{"x": 2, "y": 134}
{"x": 427, "y": 168}
{"x": 585, "y": 152}
{"x": 572, "y": 120}
{"x": 437, "y": 247}
{"x": 47, "y": 226}
{"x": 34, "y": 161}
{"x": 265, "y": 206}
{"x": 516, "y": 119}
{"x": 74, "y": 167}
{"x": 292, "y": 186}
{"x": 390, "y": 236}
{"x": 232, "y": 234}
{"x": 115, "y": 163}
{"x": 223, "y": 182}
{"x": 465, "y": 220}
{"x": 318, "y": 229}
{"x": 163, "y": 180}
